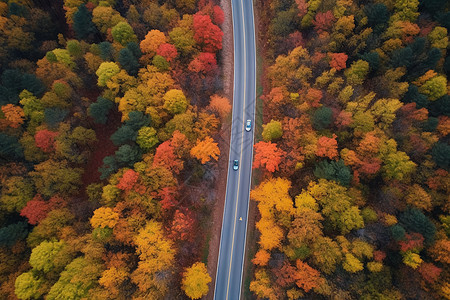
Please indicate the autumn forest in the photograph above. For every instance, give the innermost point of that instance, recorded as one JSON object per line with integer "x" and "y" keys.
{"x": 114, "y": 122}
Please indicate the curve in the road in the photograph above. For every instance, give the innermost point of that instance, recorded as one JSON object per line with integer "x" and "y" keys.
{"x": 234, "y": 225}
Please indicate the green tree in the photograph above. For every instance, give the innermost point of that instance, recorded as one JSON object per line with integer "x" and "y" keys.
{"x": 123, "y": 135}
{"x": 441, "y": 154}
{"x": 106, "y": 71}
{"x": 128, "y": 61}
{"x": 99, "y": 110}
{"x": 123, "y": 33}
{"x": 322, "y": 118}
{"x": 27, "y": 286}
{"x": 16, "y": 192}
{"x": 10, "y": 234}
{"x": 397, "y": 165}
{"x": 82, "y": 23}
{"x": 334, "y": 170}
{"x": 48, "y": 256}
{"x": 147, "y": 138}
{"x": 413, "y": 220}
{"x": 76, "y": 280}
{"x": 128, "y": 155}
{"x": 272, "y": 131}
{"x": 175, "y": 101}
{"x": 10, "y": 147}
{"x": 357, "y": 72}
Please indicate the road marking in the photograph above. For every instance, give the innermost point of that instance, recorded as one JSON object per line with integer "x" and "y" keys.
{"x": 229, "y": 155}
{"x": 240, "y": 157}
{"x": 251, "y": 156}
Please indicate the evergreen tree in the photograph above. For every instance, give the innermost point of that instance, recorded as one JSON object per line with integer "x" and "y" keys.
{"x": 99, "y": 110}
{"x": 128, "y": 61}
{"x": 82, "y": 22}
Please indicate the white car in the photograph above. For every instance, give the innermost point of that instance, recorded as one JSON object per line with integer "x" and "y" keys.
{"x": 248, "y": 125}
{"x": 236, "y": 165}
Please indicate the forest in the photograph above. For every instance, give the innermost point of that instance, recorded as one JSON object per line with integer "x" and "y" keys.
{"x": 354, "y": 155}
{"x": 110, "y": 113}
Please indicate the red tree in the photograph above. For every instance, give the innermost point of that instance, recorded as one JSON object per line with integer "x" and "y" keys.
{"x": 204, "y": 63}
{"x": 182, "y": 226}
{"x": 165, "y": 156}
{"x": 168, "y": 51}
{"x": 168, "y": 197}
{"x": 208, "y": 35}
{"x": 338, "y": 60}
{"x": 218, "y": 15}
{"x": 429, "y": 272}
{"x": 323, "y": 21}
{"x": 267, "y": 155}
{"x": 35, "y": 210}
{"x": 307, "y": 277}
{"x": 128, "y": 180}
{"x": 45, "y": 140}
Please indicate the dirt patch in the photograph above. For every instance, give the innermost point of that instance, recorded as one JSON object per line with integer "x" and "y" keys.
{"x": 227, "y": 57}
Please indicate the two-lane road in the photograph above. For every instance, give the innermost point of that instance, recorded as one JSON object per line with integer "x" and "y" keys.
{"x": 234, "y": 225}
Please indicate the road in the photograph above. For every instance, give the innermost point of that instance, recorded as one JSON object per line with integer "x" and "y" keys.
{"x": 234, "y": 225}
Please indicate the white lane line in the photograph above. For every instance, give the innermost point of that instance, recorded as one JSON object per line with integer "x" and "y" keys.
{"x": 229, "y": 153}
{"x": 242, "y": 147}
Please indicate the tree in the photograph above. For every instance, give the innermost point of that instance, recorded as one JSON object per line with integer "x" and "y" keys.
{"x": 16, "y": 192}
{"x": 99, "y": 110}
{"x": 357, "y": 72}
{"x": 267, "y": 155}
{"x": 10, "y": 234}
{"x": 204, "y": 62}
{"x": 327, "y": 147}
{"x": 271, "y": 234}
{"x": 47, "y": 256}
{"x": 153, "y": 248}
{"x": 338, "y": 61}
{"x": 334, "y": 170}
{"x": 147, "y": 138}
{"x": 14, "y": 115}
{"x": 262, "y": 286}
{"x": 45, "y": 140}
{"x": 161, "y": 63}
{"x": 307, "y": 278}
{"x": 182, "y": 36}
{"x": 208, "y": 35}
{"x": 322, "y": 118}
{"x": 272, "y": 131}
{"x": 306, "y": 228}
{"x": 273, "y": 193}
{"x": 440, "y": 153}
{"x": 182, "y": 227}
{"x": 82, "y": 22}
{"x": 106, "y": 17}
{"x": 106, "y": 71}
{"x": 352, "y": 264}
{"x": 35, "y": 210}
{"x": 326, "y": 254}
{"x": 56, "y": 177}
{"x": 104, "y": 217}
{"x": 128, "y": 61}
{"x": 165, "y": 157}
{"x": 413, "y": 220}
{"x": 205, "y": 150}
{"x": 323, "y": 21}
{"x": 175, "y": 101}
{"x": 220, "y": 105}
{"x": 128, "y": 155}
{"x": 398, "y": 166}
{"x": 123, "y": 33}
{"x": 434, "y": 88}
{"x": 123, "y": 135}
{"x": 195, "y": 281}
{"x": 261, "y": 258}
{"x": 168, "y": 51}
{"x": 10, "y": 147}
{"x": 27, "y": 286}
{"x": 153, "y": 39}
{"x": 76, "y": 280}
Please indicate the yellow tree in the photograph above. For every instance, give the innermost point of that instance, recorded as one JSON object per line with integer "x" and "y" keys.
{"x": 104, "y": 217}
{"x": 205, "y": 150}
{"x": 273, "y": 193}
{"x": 195, "y": 281}
{"x": 152, "y": 40}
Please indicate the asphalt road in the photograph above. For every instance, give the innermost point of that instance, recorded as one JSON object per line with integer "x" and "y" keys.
{"x": 234, "y": 225}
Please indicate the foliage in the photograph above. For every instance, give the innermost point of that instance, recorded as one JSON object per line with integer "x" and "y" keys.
{"x": 195, "y": 281}
{"x": 205, "y": 150}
